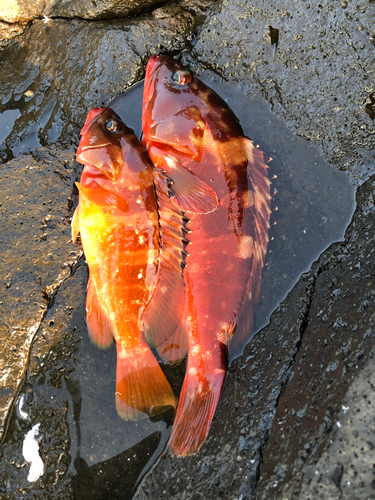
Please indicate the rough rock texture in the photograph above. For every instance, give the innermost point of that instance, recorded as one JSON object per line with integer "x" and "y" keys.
{"x": 10, "y": 30}
{"x": 317, "y": 74}
{"x": 337, "y": 341}
{"x": 346, "y": 468}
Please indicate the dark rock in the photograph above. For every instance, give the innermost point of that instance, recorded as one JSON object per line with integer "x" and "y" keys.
{"x": 331, "y": 354}
{"x": 71, "y": 66}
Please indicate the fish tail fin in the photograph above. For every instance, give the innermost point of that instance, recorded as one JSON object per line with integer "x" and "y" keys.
{"x": 142, "y": 389}
{"x": 198, "y": 401}
{"x": 98, "y": 324}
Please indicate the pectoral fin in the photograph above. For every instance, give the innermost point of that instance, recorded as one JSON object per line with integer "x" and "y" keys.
{"x": 75, "y": 225}
{"x": 102, "y": 197}
{"x": 187, "y": 191}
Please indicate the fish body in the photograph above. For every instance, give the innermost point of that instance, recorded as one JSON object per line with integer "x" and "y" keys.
{"x": 218, "y": 180}
{"x": 118, "y": 221}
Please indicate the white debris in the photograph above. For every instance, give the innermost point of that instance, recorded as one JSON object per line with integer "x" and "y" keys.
{"x": 20, "y": 412}
{"x": 30, "y": 452}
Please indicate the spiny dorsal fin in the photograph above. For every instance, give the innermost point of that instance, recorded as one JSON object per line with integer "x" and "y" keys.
{"x": 258, "y": 202}
{"x": 165, "y": 318}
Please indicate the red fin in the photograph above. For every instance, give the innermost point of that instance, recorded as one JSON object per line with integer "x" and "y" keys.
{"x": 98, "y": 324}
{"x": 259, "y": 203}
{"x": 102, "y": 197}
{"x": 75, "y": 225}
{"x": 142, "y": 389}
{"x": 164, "y": 320}
{"x": 187, "y": 191}
{"x": 198, "y": 401}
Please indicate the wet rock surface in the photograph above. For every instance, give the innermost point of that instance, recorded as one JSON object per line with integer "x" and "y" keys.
{"x": 316, "y": 73}
{"x": 36, "y": 252}
{"x": 293, "y": 420}
{"x": 22, "y": 10}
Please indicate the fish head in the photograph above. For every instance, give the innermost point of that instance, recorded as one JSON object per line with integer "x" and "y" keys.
{"x": 172, "y": 106}
{"x": 103, "y": 138}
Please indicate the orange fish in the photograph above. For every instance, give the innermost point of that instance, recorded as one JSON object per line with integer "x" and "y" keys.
{"x": 118, "y": 221}
{"x": 218, "y": 181}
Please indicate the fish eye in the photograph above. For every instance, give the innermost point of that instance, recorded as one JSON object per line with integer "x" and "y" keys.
{"x": 113, "y": 125}
{"x": 182, "y": 77}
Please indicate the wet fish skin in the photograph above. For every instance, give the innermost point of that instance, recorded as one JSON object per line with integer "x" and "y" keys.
{"x": 118, "y": 221}
{"x": 197, "y": 143}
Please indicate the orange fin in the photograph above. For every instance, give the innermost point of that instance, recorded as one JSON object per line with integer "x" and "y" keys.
{"x": 164, "y": 321}
{"x": 196, "y": 408}
{"x": 187, "y": 191}
{"x": 98, "y": 324}
{"x": 142, "y": 389}
{"x": 260, "y": 206}
{"x": 75, "y": 225}
{"x": 102, "y": 197}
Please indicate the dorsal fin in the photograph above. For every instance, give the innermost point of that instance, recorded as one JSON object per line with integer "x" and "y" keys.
{"x": 258, "y": 201}
{"x": 165, "y": 318}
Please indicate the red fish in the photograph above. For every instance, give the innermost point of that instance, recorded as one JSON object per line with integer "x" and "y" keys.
{"x": 218, "y": 180}
{"x": 118, "y": 221}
